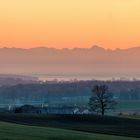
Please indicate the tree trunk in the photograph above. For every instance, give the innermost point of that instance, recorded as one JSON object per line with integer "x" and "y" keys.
{"x": 103, "y": 111}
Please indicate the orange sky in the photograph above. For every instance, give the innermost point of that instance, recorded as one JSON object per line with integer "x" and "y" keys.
{"x": 70, "y": 23}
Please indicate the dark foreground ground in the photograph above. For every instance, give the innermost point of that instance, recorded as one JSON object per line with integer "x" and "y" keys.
{"x": 86, "y": 123}
{"x": 11, "y": 131}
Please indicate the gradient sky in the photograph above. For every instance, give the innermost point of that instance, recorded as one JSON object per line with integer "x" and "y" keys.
{"x": 70, "y": 23}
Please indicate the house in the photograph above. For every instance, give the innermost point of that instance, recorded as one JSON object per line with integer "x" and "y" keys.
{"x": 81, "y": 110}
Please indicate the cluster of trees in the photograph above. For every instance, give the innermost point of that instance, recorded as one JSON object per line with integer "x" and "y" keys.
{"x": 12, "y": 80}
{"x": 80, "y": 90}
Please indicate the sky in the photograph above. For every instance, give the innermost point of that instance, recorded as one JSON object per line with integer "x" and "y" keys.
{"x": 70, "y": 23}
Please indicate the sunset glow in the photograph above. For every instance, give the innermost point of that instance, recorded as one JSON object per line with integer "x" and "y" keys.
{"x": 70, "y": 23}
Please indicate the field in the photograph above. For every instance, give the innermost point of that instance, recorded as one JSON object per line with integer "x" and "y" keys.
{"x": 118, "y": 126}
{"x": 9, "y": 131}
{"x": 124, "y": 105}
{"x": 128, "y": 105}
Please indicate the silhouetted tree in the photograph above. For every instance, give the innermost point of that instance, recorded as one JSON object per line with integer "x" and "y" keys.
{"x": 101, "y": 99}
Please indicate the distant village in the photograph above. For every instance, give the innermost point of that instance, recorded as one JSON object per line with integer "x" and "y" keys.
{"x": 23, "y": 94}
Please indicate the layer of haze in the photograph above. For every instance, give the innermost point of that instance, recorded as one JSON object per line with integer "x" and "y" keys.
{"x": 69, "y": 23}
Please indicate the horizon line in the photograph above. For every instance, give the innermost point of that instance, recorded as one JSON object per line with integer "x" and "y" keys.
{"x": 92, "y": 47}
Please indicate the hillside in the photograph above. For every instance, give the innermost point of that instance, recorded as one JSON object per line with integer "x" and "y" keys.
{"x": 9, "y": 131}
{"x": 85, "y": 123}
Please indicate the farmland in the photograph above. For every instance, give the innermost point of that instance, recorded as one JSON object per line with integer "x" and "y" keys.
{"x": 9, "y": 131}
{"x": 85, "y": 123}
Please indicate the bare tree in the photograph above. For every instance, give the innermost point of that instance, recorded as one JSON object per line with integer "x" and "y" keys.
{"x": 101, "y": 99}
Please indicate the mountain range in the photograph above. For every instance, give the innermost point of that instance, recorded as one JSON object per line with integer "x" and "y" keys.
{"x": 95, "y": 61}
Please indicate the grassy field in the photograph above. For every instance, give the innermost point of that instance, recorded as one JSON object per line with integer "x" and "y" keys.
{"x": 9, "y": 131}
{"x": 128, "y": 105}
{"x": 86, "y": 123}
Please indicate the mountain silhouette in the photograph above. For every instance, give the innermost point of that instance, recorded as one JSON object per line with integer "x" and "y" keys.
{"x": 95, "y": 61}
